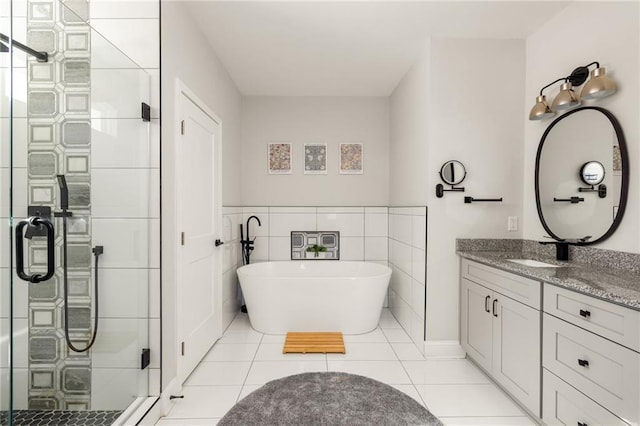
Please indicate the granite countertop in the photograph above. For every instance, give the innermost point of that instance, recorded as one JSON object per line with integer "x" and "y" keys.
{"x": 611, "y": 284}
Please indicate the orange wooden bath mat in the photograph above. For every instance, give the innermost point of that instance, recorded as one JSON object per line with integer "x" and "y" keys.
{"x": 324, "y": 342}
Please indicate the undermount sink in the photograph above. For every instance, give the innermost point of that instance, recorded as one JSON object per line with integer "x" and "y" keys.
{"x": 533, "y": 263}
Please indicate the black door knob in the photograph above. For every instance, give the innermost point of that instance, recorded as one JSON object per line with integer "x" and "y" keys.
{"x": 219, "y": 243}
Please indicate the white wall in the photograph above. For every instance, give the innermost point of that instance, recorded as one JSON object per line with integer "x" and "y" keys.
{"x": 330, "y": 120}
{"x": 187, "y": 56}
{"x": 458, "y": 103}
{"x": 584, "y": 32}
{"x": 409, "y": 124}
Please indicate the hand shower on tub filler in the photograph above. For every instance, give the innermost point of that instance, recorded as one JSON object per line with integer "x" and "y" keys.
{"x": 247, "y": 247}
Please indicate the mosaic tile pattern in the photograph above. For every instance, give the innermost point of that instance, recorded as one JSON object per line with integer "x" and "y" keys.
{"x": 58, "y": 101}
{"x": 59, "y": 417}
{"x": 351, "y": 158}
{"x": 301, "y": 241}
{"x": 279, "y": 158}
{"x": 315, "y": 158}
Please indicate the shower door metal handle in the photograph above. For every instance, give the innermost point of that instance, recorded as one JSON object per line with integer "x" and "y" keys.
{"x": 51, "y": 265}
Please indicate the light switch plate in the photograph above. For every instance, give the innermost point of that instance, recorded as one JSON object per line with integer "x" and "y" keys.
{"x": 512, "y": 223}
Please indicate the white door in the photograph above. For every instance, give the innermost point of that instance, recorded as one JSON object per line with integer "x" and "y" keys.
{"x": 199, "y": 291}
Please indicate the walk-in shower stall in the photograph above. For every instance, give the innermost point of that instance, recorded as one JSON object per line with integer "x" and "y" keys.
{"x": 79, "y": 218}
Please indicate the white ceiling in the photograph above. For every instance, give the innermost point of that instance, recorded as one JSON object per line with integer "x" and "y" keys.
{"x": 340, "y": 48}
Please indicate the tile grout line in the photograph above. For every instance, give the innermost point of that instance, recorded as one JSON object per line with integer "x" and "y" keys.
{"x": 250, "y": 367}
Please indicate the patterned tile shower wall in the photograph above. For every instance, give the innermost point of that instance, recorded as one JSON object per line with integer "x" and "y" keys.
{"x": 59, "y": 133}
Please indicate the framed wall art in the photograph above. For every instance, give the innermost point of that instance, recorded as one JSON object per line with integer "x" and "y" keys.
{"x": 279, "y": 159}
{"x": 351, "y": 159}
{"x": 315, "y": 159}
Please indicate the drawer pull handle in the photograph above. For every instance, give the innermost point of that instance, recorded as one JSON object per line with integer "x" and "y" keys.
{"x": 585, "y": 313}
{"x": 582, "y": 424}
{"x": 583, "y": 363}
{"x": 495, "y": 312}
{"x": 486, "y": 303}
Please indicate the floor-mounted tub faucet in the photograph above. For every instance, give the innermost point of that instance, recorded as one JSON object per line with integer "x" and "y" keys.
{"x": 247, "y": 244}
{"x": 247, "y": 248}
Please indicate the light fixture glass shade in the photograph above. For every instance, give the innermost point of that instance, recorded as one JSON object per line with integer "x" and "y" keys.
{"x": 541, "y": 109}
{"x": 599, "y": 86}
{"x": 566, "y": 99}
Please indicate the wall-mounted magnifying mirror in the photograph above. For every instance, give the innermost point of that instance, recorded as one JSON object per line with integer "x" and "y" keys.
{"x": 452, "y": 173}
{"x": 592, "y": 173}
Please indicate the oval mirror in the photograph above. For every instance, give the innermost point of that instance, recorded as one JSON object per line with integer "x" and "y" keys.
{"x": 592, "y": 173}
{"x": 453, "y": 172}
{"x": 585, "y": 145}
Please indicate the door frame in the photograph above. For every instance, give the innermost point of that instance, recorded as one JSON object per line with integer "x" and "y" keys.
{"x": 183, "y": 90}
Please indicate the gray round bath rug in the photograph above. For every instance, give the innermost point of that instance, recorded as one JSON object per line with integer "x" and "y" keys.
{"x": 327, "y": 399}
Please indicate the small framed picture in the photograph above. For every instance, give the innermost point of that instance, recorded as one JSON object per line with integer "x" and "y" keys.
{"x": 280, "y": 158}
{"x": 315, "y": 159}
{"x": 351, "y": 159}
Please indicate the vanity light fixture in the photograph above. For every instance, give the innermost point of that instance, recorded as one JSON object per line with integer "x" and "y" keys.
{"x": 599, "y": 86}
{"x": 566, "y": 99}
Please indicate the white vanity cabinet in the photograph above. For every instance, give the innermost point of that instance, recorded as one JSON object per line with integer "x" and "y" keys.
{"x": 591, "y": 360}
{"x": 500, "y": 328}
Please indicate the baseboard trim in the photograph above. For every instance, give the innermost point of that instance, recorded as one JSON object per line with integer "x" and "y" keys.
{"x": 137, "y": 412}
{"x": 443, "y": 349}
{"x": 173, "y": 388}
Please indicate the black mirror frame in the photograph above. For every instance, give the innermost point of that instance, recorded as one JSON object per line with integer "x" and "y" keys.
{"x": 624, "y": 189}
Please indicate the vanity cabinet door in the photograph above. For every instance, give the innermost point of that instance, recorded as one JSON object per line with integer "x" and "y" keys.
{"x": 516, "y": 350}
{"x": 476, "y": 328}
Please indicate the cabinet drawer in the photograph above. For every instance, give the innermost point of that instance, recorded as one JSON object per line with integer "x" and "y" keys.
{"x": 617, "y": 323}
{"x": 604, "y": 371}
{"x": 564, "y": 405}
{"x": 524, "y": 290}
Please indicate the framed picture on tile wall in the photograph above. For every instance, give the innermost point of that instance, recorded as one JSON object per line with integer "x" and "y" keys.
{"x": 280, "y": 158}
{"x": 351, "y": 159}
{"x": 315, "y": 158}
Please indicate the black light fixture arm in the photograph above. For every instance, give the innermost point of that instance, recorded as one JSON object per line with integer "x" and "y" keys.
{"x": 577, "y": 77}
{"x": 552, "y": 83}
{"x": 40, "y": 56}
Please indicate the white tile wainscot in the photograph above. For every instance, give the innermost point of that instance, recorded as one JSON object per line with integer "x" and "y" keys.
{"x": 407, "y": 259}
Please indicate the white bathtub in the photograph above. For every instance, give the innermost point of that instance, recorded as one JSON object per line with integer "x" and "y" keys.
{"x": 314, "y": 295}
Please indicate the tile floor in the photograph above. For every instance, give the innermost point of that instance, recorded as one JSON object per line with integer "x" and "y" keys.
{"x": 243, "y": 360}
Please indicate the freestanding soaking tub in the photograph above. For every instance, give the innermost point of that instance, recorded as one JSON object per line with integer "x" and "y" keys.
{"x": 314, "y": 295}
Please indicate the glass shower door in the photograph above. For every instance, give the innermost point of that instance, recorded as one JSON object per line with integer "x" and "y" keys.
{"x": 79, "y": 185}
